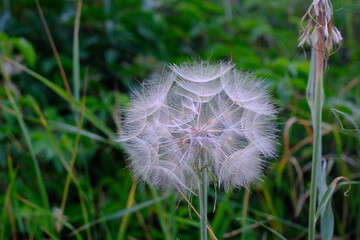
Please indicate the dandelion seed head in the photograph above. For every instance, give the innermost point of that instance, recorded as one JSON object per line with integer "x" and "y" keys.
{"x": 199, "y": 111}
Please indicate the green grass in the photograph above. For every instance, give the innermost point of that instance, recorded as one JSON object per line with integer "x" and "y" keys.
{"x": 62, "y": 175}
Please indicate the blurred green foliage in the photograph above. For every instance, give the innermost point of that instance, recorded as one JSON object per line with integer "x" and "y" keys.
{"x": 121, "y": 43}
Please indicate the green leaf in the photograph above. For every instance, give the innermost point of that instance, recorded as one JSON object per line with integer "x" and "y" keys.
{"x": 343, "y": 119}
{"x": 327, "y": 223}
{"x": 120, "y": 213}
{"x": 73, "y": 129}
{"x": 26, "y": 49}
{"x": 63, "y": 94}
{"x": 39, "y": 209}
{"x": 262, "y": 224}
{"x": 326, "y": 198}
{"x": 327, "y": 217}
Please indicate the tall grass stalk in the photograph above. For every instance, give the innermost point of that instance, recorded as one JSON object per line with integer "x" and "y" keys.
{"x": 53, "y": 47}
{"x": 316, "y": 102}
{"x": 125, "y": 220}
{"x": 8, "y": 209}
{"x": 25, "y": 132}
{"x": 245, "y": 211}
{"x": 63, "y": 94}
{"x": 76, "y": 56}
{"x": 72, "y": 166}
{"x": 55, "y": 146}
{"x": 321, "y": 35}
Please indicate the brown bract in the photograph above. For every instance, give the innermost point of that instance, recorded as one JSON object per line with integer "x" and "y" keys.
{"x": 319, "y": 29}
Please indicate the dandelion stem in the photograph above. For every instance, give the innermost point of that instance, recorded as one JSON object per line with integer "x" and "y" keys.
{"x": 203, "y": 199}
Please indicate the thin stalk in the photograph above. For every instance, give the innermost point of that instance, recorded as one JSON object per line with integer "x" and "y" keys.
{"x": 53, "y": 48}
{"x": 76, "y": 57}
{"x": 203, "y": 199}
{"x": 8, "y": 209}
{"x": 316, "y": 115}
{"x": 244, "y": 212}
{"x": 322, "y": 35}
{"x": 125, "y": 220}
{"x": 72, "y": 166}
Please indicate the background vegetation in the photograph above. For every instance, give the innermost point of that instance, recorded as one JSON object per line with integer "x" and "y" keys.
{"x": 58, "y": 125}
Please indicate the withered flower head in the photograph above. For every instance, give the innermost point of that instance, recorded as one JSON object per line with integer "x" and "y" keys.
{"x": 319, "y": 26}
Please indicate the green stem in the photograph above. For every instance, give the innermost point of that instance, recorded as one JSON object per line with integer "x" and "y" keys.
{"x": 244, "y": 212}
{"x": 76, "y": 57}
{"x": 316, "y": 114}
{"x": 203, "y": 199}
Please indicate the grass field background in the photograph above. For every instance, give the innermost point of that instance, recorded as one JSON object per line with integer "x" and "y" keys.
{"x": 67, "y": 70}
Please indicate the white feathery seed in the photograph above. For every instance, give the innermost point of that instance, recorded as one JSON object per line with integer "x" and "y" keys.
{"x": 199, "y": 111}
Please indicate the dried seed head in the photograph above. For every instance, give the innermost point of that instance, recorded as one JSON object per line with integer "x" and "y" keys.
{"x": 319, "y": 26}
{"x": 199, "y": 111}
